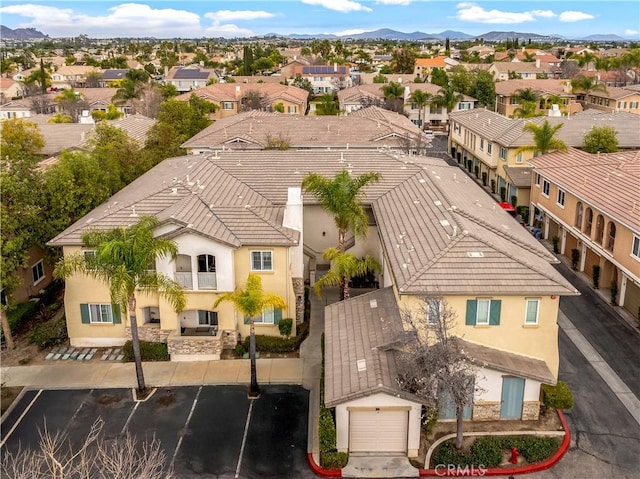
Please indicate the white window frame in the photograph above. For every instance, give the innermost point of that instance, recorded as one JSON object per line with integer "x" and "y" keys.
{"x": 519, "y": 158}
{"x": 433, "y": 311}
{"x": 227, "y": 105}
{"x": 483, "y": 321}
{"x": 528, "y": 302}
{"x": 481, "y": 144}
{"x": 538, "y": 178}
{"x": 262, "y": 260}
{"x": 489, "y": 147}
{"x": 98, "y": 310}
{"x": 267, "y": 316}
{"x": 560, "y": 197}
{"x": 292, "y": 109}
{"x": 546, "y": 188}
{"x": 504, "y": 153}
{"x": 635, "y": 247}
{"x": 39, "y": 269}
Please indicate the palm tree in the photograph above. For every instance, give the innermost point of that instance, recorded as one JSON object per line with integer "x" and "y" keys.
{"x": 71, "y": 102}
{"x": 327, "y": 105}
{"x": 340, "y": 197}
{"x": 543, "y": 137}
{"x": 122, "y": 259}
{"x": 394, "y": 95}
{"x": 251, "y": 301}
{"x": 344, "y": 266}
{"x": 447, "y": 98}
{"x": 527, "y": 109}
{"x": 526, "y": 94}
{"x": 585, "y": 84}
{"x": 421, "y": 99}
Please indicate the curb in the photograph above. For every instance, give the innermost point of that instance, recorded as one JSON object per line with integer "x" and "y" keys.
{"x": 319, "y": 471}
{"x": 503, "y": 471}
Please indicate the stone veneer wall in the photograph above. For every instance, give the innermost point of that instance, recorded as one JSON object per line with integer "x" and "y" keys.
{"x": 229, "y": 338}
{"x": 298, "y": 289}
{"x": 531, "y": 411}
{"x": 486, "y": 411}
{"x": 150, "y": 333}
{"x": 196, "y": 345}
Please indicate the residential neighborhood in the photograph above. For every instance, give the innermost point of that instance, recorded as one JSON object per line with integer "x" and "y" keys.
{"x": 397, "y": 252}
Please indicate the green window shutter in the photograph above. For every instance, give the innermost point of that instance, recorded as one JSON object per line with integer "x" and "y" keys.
{"x": 494, "y": 312}
{"x": 472, "y": 308}
{"x": 247, "y": 319}
{"x": 84, "y": 313}
{"x": 115, "y": 309}
{"x": 277, "y": 316}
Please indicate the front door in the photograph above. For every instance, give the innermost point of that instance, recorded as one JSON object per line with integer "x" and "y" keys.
{"x": 512, "y": 398}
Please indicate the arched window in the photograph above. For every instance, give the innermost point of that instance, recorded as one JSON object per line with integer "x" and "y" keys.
{"x": 611, "y": 235}
{"x": 588, "y": 222}
{"x": 599, "y": 229}
{"x": 578, "y": 223}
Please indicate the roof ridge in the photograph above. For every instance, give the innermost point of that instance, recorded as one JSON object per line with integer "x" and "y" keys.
{"x": 280, "y": 229}
{"x": 457, "y": 239}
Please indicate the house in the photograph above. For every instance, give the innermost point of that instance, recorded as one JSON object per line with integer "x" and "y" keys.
{"x": 550, "y": 91}
{"x": 572, "y": 200}
{"x": 98, "y": 99}
{"x": 35, "y": 276}
{"x": 524, "y": 70}
{"x": 9, "y": 89}
{"x": 15, "y": 109}
{"x": 369, "y": 128}
{"x": 357, "y": 97}
{"x": 613, "y": 100}
{"x": 72, "y": 76}
{"x": 233, "y": 98}
{"x": 324, "y": 78}
{"x": 488, "y": 141}
{"x": 437, "y": 236}
{"x": 424, "y": 66}
{"x": 189, "y": 78}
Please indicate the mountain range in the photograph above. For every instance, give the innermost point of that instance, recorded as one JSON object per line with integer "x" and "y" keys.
{"x": 381, "y": 34}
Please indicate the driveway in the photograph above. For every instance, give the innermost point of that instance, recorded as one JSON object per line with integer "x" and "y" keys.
{"x": 206, "y": 432}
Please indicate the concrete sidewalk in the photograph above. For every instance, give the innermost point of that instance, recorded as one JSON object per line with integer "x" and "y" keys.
{"x": 79, "y": 375}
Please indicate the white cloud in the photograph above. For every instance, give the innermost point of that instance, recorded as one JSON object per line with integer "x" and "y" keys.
{"x": 229, "y": 15}
{"x": 470, "y": 12}
{"x": 573, "y": 16}
{"x": 343, "y": 6}
{"x": 126, "y": 20}
{"x": 227, "y": 31}
{"x": 631, "y": 33}
{"x": 394, "y": 2}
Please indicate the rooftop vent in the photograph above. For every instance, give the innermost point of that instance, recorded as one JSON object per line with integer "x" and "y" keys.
{"x": 475, "y": 254}
{"x": 361, "y": 364}
{"x": 373, "y": 303}
{"x": 444, "y": 223}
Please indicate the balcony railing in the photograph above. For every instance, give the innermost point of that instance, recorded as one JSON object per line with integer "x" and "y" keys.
{"x": 185, "y": 279}
{"x": 207, "y": 281}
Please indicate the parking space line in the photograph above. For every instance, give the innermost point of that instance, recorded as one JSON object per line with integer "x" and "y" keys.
{"x": 126, "y": 424}
{"x": 24, "y": 413}
{"x": 64, "y": 432}
{"x": 244, "y": 438}
{"x": 186, "y": 425}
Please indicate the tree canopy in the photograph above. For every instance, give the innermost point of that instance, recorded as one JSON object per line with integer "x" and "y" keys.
{"x": 543, "y": 137}
{"x": 601, "y": 139}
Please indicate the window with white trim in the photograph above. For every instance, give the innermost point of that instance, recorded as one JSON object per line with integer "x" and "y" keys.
{"x": 261, "y": 261}
{"x": 519, "y": 158}
{"x": 489, "y": 148}
{"x": 545, "y": 188}
{"x": 635, "y": 248}
{"x": 481, "y": 144}
{"x": 538, "y": 178}
{"x": 227, "y": 105}
{"x": 560, "y": 197}
{"x": 433, "y": 311}
{"x": 531, "y": 311}
{"x": 100, "y": 313}
{"x": 292, "y": 109}
{"x": 266, "y": 317}
{"x": 37, "y": 271}
{"x": 482, "y": 311}
{"x": 503, "y": 153}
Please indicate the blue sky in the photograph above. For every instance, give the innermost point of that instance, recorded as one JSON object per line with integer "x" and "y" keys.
{"x": 238, "y": 18}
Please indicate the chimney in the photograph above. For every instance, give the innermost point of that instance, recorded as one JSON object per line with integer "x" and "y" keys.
{"x": 166, "y": 71}
{"x": 293, "y": 218}
{"x": 238, "y": 92}
{"x": 335, "y": 68}
{"x": 537, "y": 63}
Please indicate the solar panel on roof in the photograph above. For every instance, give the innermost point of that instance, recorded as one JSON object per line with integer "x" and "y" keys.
{"x": 184, "y": 73}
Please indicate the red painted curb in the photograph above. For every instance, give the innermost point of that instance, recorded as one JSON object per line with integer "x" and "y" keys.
{"x": 320, "y": 471}
{"x": 505, "y": 471}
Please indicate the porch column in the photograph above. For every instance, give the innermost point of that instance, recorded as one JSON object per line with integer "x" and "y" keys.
{"x": 623, "y": 289}
{"x": 583, "y": 257}
{"x": 563, "y": 242}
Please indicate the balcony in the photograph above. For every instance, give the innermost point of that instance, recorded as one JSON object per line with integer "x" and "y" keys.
{"x": 207, "y": 281}
{"x": 185, "y": 279}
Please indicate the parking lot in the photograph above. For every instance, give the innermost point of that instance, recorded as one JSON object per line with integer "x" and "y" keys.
{"x": 205, "y": 431}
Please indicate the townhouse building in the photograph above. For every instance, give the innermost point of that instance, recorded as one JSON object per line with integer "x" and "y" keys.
{"x": 590, "y": 203}
{"x": 613, "y": 100}
{"x": 550, "y": 91}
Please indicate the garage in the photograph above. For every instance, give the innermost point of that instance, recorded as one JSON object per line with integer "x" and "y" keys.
{"x": 378, "y": 430}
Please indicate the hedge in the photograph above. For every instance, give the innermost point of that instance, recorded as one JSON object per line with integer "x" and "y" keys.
{"x": 558, "y": 396}
{"x": 148, "y": 350}
{"x": 488, "y": 451}
{"x": 278, "y": 344}
{"x": 51, "y": 333}
{"x": 20, "y": 314}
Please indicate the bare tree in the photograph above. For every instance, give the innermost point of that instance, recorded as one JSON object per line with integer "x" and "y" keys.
{"x": 41, "y": 104}
{"x": 418, "y": 144}
{"x": 432, "y": 359}
{"x": 253, "y": 100}
{"x": 367, "y": 101}
{"x": 95, "y": 457}
{"x": 148, "y": 101}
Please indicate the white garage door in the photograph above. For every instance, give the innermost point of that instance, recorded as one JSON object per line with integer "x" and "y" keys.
{"x": 378, "y": 430}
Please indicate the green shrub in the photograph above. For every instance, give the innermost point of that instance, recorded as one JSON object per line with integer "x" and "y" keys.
{"x": 536, "y": 448}
{"x": 330, "y": 458}
{"x": 334, "y": 460}
{"x": 487, "y": 451}
{"x": 448, "y": 454}
{"x": 558, "y": 396}
{"x": 20, "y": 314}
{"x": 239, "y": 350}
{"x": 285, "y": 326}
{"x": 278, "y": 344}
{"x": 148, "y": 350}
{"x": 50, "y": 333}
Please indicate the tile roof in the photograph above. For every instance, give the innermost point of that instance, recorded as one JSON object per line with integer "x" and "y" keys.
{"x": 356, "y": 93}
{"x": 135, "y": 126}
{"x": 593, "y": 178}
{"x": 357, "y": 332}
{"x": 431, "y": 218}
{"x": 234, "y": 91}
{"x": 508, "y": 132}
{"x": 368, "y": 128}
{"x": 526, "y": 67}
{"x": 546, "y": 86}
{"x": 519, "y": 176}
{"x": 62, "y": 136}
